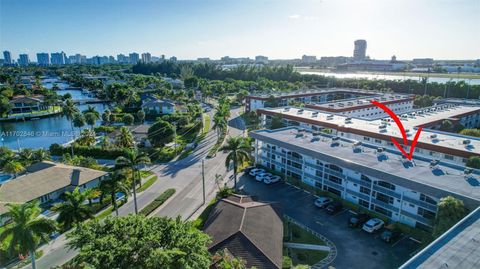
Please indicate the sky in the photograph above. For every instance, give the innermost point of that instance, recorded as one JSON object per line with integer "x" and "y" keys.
{"x": 279, "y": 29}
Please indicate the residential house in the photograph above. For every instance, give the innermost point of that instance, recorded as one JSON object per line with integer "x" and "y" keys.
{"x": 157, "y": 106}
{"x": 248, "y": 229}
{"x": 46, "y": 181}
{"x": 28, "y": 104}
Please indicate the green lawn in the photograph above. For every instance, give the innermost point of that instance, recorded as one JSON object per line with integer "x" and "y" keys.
{"x": 147, "y": 184}
{"x": 162, "y": 198}
{"x": 33, "y": 113}
{"x": 295, "y": 234}
{"x": 206, "y": 123}
{"x": 105, "y": 213}
{"x": 200, "y": 221}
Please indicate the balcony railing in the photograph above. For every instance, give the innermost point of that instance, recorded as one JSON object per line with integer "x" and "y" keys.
{"x": 334, "y": 173}
{"x": 420, "y": 203}
{"x": 384, "y": 205}
{"x": 318, "y": 167}
{"x": 359, "y": 195}
{"x": 423, "y": 220}
{"x": 387, "y": 191}
{"x": 358, "y": 181}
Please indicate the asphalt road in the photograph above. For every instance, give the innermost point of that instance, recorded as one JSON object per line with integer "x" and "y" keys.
{"x": 355, "y": 248}
{"x": 183, "y": 175}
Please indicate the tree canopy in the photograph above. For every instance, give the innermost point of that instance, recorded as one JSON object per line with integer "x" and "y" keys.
{"x": 140, "y": 242}
{"x": 161, "y": 133}
{"x": 450, "y": 211}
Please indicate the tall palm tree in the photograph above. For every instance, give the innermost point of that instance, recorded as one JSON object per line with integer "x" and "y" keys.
{"x": 124, "y": 138}
{"x": 26, "y": 156}
{"x": 74, "y": 209}
{"x": 219, "y": 124}
{"x": 238, "y": 153}
{"x": 114, "y": 184}
{"x": 69, "y": 109}
{"x": 132, "y": 160}
{"x": 27, "y": 230}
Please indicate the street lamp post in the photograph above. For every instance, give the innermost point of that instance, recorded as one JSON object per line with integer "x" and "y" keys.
{"x": 203, "y": 179}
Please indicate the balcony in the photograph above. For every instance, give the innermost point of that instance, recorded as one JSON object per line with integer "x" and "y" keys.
{"x": 416, "y": 217}
{"x": 294, "y": 170}
{"x": 314, "y": 166}
{"x": 420, "y": 203}
{"x": 333, "y": 184}
{"x": 295, "y": 159}
{"x": 386, "y": 191}
{"x": 358, "y": 181}
{"x": 334, "y": 173}
{"x": 384, "y": 205}
{"x": 359, "y": 195}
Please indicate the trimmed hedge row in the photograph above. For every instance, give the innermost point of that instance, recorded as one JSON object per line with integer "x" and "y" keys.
{"x": 157, "y": 202}
{"x": 94, "y": 152}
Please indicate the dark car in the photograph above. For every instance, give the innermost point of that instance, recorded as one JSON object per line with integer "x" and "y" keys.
{"x": 334, "y": 208}
{"x": 358, "y": 220}
{"x": 390, "y": 235}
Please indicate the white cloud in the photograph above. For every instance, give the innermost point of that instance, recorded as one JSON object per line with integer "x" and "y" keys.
{"x": 294, "y": 16}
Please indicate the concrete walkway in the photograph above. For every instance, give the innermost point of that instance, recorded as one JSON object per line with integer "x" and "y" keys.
{"x": 306, "y": 246}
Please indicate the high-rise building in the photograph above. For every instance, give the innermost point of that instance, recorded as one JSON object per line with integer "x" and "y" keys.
{"x": 360, "y": 50}
{"x": 58, "y": 58}
{"x": 122, "y": 58}
{"x": 173, "y": 59}
{"x": 134, "y": 57}
{"x": 146, "y": 57}
{"x": 261, "y": 59}
{"x": 23, "y": 60}
{"x": 43, "y": 59}
{"x": 309, "y": 59}
{"x": 7, "y": 56}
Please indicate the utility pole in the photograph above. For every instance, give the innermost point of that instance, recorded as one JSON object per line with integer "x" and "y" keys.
{"x": 203, "y": 180}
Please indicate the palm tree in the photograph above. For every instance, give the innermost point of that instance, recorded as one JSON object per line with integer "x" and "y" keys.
{"x": 106, "y": 116}
{"x": 13, "y": 167}
{"x": 91, "y": 119}
{"x": 27, "y": 230}
{"x": 124, "y": 138}
{"x": 41, "y": 155}
{"x": 69, "y": 109}
{"x": 26, "y": 156}
{"x": 132, "y": 160}
{"x": 238, "y": 153}
{"x": 78, "y": 120}
{"x": 74, "y": 209}
{"x": 87, "y": 138}
{"x": 114, "y": 184}
{"x": 219, "y": 124}
{"x": 91, "y": 109}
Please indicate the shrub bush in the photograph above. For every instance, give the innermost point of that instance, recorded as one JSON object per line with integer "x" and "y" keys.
{"x": 94, "y": 152}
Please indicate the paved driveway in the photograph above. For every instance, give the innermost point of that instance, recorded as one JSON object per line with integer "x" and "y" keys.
{"x": 355, "y": 248}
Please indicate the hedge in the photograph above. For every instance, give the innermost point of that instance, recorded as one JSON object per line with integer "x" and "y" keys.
{"x": 94, "y": 152}
{"x": 157, "y": 202}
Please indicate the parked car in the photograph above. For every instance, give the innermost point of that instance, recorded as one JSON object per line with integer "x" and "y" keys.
{"x": 256, "y": 171}
{"x": 358, "y": 220}
{"x": 322, "y": 202}
{"x": 334, "y": 207}
{"x": 373, "y": 225}
{"x": 272, "y": 179}
{"x": 260, "y": 177}
{"x": 390, "y": 234}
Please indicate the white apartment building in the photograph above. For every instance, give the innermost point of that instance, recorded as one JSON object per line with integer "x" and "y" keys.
{"x": 432, "y": 143}
{"x": 376, "y": 179}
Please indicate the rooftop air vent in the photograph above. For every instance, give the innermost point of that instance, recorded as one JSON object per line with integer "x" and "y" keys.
{"x": 286, "y": 109}
{"x": 330, "y": 117}
{"x": 467, "y": 171}
{"x": 335, "y": 141}
{"x": 434, "y": 164}
{"x": 466, "y": 142}
{"x": 348, "y": 120}
{"x": 433, "y": 136}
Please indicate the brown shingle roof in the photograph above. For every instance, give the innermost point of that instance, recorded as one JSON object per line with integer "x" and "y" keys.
{"x": 43, "y": 178}
{"x": 249, "y": 229}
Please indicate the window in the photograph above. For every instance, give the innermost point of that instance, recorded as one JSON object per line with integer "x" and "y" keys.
{"x": 335, "y": 179}
{"x": 366, "y": 138}
{"x": 382, "y": 211}
{"x": 386, "y": 185}
{"x": 384, "y": 198}
{"x": 334, "y": 191}
{"x": 318, "y": 173}
{"x": 319, "y": 163}
{"x": 363, "y": 203}
{"x": 378, "y": 141}
{"x": 335, "y": 168}
{"x": 427, "y": 199}
{"x": 449, "y": 157}
{"x": 365, "y": 178}
{"x": 364, "y": 190}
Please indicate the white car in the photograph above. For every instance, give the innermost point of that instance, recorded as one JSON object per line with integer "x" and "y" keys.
{"x": 260, "y": 177}
{"x": 256, "y": 171}
{"x": 272, "y": 179}
{"x": 322, "y": 202}
{"x": 373, "y": 225}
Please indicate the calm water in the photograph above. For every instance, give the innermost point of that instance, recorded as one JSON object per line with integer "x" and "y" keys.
{"x": 42, "y": 133}
{"x": 475, "y": 81}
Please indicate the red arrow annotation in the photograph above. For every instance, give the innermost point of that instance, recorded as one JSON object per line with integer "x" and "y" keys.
{"x": 402, "y": 130}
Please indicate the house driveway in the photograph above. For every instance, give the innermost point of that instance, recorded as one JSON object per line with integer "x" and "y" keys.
{"x": 355, "y": 248}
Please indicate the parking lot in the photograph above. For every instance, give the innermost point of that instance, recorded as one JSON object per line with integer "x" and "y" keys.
{"x": 355, "y": 247}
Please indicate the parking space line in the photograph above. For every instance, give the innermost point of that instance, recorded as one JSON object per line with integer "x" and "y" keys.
{"x": 319, "y": 222}
{"x": 398, "y": 241}
{"x": 341, "y": 212}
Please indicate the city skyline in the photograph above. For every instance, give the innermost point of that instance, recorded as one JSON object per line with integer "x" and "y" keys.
{"x": 276, "y": 29}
